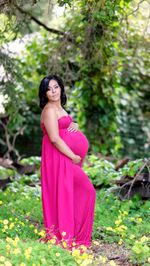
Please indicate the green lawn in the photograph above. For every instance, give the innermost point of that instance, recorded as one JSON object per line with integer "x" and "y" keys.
{"x": 123, "y": 222}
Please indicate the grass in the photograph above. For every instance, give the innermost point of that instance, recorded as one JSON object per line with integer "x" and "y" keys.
{"x": 123, "y": 222}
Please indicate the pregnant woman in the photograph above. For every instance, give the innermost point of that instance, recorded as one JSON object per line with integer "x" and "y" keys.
{"x": 68, "y": 195}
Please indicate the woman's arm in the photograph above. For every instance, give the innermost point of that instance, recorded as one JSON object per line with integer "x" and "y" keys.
{"x": 51, "y": 125}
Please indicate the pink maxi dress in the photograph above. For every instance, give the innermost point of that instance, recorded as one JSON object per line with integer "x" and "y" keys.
{"x": 68, "y": 195}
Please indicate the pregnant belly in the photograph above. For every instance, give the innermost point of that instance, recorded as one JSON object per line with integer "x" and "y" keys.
{"x": 77, "y": 142}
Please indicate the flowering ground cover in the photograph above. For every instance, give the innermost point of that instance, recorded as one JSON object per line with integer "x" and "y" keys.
{"x": 120, "y": 231}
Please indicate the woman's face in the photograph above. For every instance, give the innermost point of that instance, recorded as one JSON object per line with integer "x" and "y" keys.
{"x": 54, "y": 91}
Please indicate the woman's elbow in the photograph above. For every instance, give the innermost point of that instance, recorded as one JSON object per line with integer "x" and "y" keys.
{"x": 54, "y": 139}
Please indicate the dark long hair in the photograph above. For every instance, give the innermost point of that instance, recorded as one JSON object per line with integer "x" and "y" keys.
{"x": 43, "y": 88}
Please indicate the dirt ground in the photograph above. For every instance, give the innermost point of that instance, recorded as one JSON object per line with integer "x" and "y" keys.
{"x": 112, "y": 252}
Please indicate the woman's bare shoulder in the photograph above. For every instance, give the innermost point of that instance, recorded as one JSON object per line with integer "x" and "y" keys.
{"x": 48, "y": 110}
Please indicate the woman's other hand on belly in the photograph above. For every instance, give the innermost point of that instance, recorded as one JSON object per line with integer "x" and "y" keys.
{"x": 73, "y": 127}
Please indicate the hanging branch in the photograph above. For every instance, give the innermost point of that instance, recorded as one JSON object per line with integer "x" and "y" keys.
{"x": 4, "y": 2}
{"x": 135, "y": 178}
{"x": 58, "y": 32}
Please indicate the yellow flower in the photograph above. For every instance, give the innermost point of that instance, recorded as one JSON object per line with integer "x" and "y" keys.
{"x": 73, "y": 244}
{"x": 8, "y": 247}
{"x": 112, "y": 263}
{"x": 53, "y": 241}
{"x": 17, "y": 238}
{"x": 125, "y": 213}
{"x": 2, "y": 258}
{"x": 139, "y": 220}
{"x": 79, "y": 261}
{"x": 23, "y": 264}
{"x": 132, "y": 219}
{"x": 148, "y": 260}
{"x": 35, "y": 231}
{"x": 109, "y": 228}
{"x": 86, "y": 262}
{"x": 102, "y": 259}
{"x": 132, "y": 236}
{"x": 15, "y": 241}
{"x": 8, "y": 239}
{"x": 42, "y": 233}
{"x": 75, "y": 252}
{"x": 117, "y": 222}
{"x": 1, "y": 202}
{"x": 96, "y": 243}
{"x": 27, "y": 252}
{"x": 5, "y": 221}
{"x": 83, "y": 247}
{"x": 11, "y": 225}
{"x": 120, "y": 242}
{"x": 7, "y": 263}
{"x": 63, "y": 233}
{"x": 27, "y": 256}
{"x": 84, "y": 255}
{"x": 64, "y": 244}
{"x": 123, "y": 227}
{"x": 144, "y": 239}
{"x": 57, "y": 254}
{"x": 5, "y": 227}
{"x": 16, "y": 251}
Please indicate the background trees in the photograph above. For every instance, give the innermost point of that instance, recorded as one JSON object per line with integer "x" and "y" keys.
{"x": 101, "y": 50}
{"x": 101, "y": 56}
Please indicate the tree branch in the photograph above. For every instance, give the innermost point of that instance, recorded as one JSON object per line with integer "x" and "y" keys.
{"x": 137, "y": 8}
{"x": 4, "y": 2}
{"x": 58, "y": 32}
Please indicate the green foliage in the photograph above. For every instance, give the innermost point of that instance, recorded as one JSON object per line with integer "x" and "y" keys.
{"x": 133, "y": 80}
{"x": 100, "y": 171}
{"x": 21, "y": 223}
{"x": 32, "y": 253}
{"x": 88, "y": 82}
{"x": 141, "y": 250}
{"x": 7, "y": 28}
{"x": 103, "y": 173}
{"x": 31, "y": 160}
{"x": 21, "y": 226}
{"x": 5, "y": 173}
{"x": 95, "y": 106}
{"x": 64, "y": 2}
{"x": 126, "y": 223}
{"x": 104, "y": 69}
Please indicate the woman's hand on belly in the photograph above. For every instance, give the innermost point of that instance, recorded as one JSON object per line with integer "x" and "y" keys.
{"x": 73, "y": 127}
